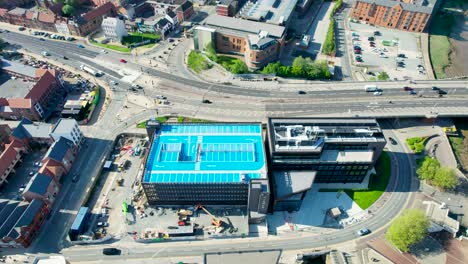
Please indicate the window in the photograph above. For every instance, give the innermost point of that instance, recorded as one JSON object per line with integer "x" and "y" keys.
{"x": 225, "y": 38}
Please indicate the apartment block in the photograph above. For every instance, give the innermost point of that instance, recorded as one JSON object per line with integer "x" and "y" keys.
{"x": 407, "y": 15}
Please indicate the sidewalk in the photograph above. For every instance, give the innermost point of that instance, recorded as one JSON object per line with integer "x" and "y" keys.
{"x": 424, "y": 41}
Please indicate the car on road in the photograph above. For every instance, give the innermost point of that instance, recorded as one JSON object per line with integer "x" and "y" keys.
{"x": 42, "y": 39}
{"x": 76, "y": 177}
{"x": 435, "y": 88}
{"x": 80, "y": 46}
{"x": 113, "y": 82}
{"x": 21, "y": 28}
{"x": 407, "y": 88}
{"x": 22, "y": 187}
{"x": 65, "y": 57}
{"x": 111, "y": 251}
{"x": 378, "y": 93}
{"x": 31, "y": 173}
{"x": 38, "y": 164}
{"x": 413, "y": 92}
{"x": 301, "y": 92}
{"x": 392, "y": 140}
{"x": 206, "y": 101}
{"x": 440, "y": 92}
{"x": 123, "y": 61}
{"x": 363, "y": 232}
{"x": 159, "y": 96}
{"x": 104, "y": 51}
{"x": 401, "y": 55}
{"x": 171, "y": 40}
{"x": 102, "y": 224}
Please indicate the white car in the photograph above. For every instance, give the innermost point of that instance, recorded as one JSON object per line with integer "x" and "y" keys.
{"x": 102, "y": 224}
{"x": 104, "y": 51}
{"x": 377, "y": 93}
{"x": 113, "y": 82}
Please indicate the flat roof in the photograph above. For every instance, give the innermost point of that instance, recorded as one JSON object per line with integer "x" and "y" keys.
{"x": 347, "y": 156}
{"x": 78, "y": 222}
{"x": 64, "y": 125}
{"x": 10, "y": 88}
{"x": 270, "y": 11}
{"x": 206, "y": 153}
{"x": 19, "y": 68}
{"x": 288, "y": 183}
{"x": 244, "y": 26}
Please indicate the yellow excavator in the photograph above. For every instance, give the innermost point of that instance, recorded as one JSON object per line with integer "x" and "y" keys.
{"x": 215, "y": 221}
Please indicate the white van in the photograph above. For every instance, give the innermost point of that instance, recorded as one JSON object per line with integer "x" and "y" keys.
{"x": 371, "y": 88}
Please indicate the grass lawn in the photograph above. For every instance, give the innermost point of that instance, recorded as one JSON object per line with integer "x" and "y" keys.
{"x": 145, "y": 35}
{"x": 197, "y": 62}
{"x": 229, "y": 64}
{"x": 377, "y": 185}
{"x": 112, "y": 47}
{"x": 182, "y": 119}
{"x": 161, "y": 119}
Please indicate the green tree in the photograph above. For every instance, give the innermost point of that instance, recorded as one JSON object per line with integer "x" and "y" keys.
{"x": 299, "y": 66}
{"x": 445, "y": 178}
{"x": 428, "y": 169}
{"x": 211, "y": 52}
{"x": 272, "y": 68}
{"x": 238, "y": 67}
{"x": 408, "y": 229}
{"x": 383, "y": 76}
{"x": 68, "y": 10}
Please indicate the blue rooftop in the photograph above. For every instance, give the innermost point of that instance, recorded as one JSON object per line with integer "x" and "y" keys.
{"x": 206, "y": 153}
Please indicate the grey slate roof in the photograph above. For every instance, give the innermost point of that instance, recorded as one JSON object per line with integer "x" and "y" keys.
{"x": 245, "y": 26}
{"x": 18, "y": 68}
{"x": 38, "y": 184}
{"x": 28, "y": 129}
{"x": 30, "y": 212}
{"x": 64, "y": 125}
{"x": 408, "y": 7}
{"x": 10, "y": 222}
{"x": 7, "y": 209}
{"x": 59, "y": 148}
{"x": 19, "y": 132}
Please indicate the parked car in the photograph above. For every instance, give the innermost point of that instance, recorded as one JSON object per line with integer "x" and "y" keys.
{"x": 111, "y": 251}
{"x": 392, "y": 140}
{"x": 21, "y": 28}
{"x": 370, "y": 38}
{"x": 377, "y": 33}
{"x": 102, "y": 224}
{"x": 76, "y": 177}
{"x": 363, "y": 232}
{"x": 22, "y": 187}
{"x": 401, "y": 55}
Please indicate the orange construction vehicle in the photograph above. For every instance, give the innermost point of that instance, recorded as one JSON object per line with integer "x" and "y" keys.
{"x": 215, "y": 221}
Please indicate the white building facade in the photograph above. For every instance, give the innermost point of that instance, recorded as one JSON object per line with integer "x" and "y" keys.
{"x": 69, "y": 129}
{"x": 114, "y": 28}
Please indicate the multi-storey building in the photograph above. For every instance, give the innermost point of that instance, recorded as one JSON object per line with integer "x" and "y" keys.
{"x": 69, "y": 129}
{"x": 259, "y": 43}
{"x": 408, "y": 15}
{"x": 304, "y": 151}
{"x": 114, "y": 28}
{"x": 209, "y": 164}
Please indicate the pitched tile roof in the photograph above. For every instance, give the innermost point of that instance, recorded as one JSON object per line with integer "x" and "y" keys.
{"x": 406, "y": 6}
{"x": 99, "y": 11}
{"x": 30, "y": 14}
{"x": 6, "y": 157}
{"x": 46, "y": 17}
{"x": 19, "y": 103}
{"x": 40, "y": 72}
{"x": 38, "y": 184}
{"x": 3, "y": 11}
{"x": 41, "y": 86}
{"x": 52, "y": 168}
{"x": 58, "y": 149}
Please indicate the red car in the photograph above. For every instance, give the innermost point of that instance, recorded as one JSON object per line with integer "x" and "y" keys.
{"x": 123, "y": 61}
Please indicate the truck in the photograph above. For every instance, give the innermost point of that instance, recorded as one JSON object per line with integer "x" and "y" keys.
{"x": 91, "y": 71}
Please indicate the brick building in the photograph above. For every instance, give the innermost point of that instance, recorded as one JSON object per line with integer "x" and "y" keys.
{"x": 36, "y": 103}
{"x": 259, "y": 43}
{"x": 41, "y": 187}
{"x": 408, "y": 15}
{"x": 59, "y": 158}
{"x": 185, "y": 11}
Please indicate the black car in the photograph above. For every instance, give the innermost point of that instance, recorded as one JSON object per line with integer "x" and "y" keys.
{"x": 301, "y": 92}
{"x": 441, "y": 91}
{"x": 401, "y": 55}
{"x": 76, "y": 177}
{"x": 370, "y": 38}
{"x": 206, "y": 101}
{"x": 65, "y": 57}
{"x": 392, "y": 140}
{"x": 377, "y": 33}
{"x": 111, "y": 251}
{"x": 435, "y": 88}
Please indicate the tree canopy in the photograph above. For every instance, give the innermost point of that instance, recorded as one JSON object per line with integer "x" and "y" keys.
{"x": 408, "y": 229}
{"x": 383, "y": 76}
{"x": 68, "y": 10}
{"x": 441, "y": 177}
{"x": 301, "y": 68}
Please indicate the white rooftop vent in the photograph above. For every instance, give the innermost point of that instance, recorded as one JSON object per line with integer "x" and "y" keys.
{"x": 263, "y": 34}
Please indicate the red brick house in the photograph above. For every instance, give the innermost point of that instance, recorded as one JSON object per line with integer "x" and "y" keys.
{"x": 185, "y": 11}
{"x": 59, "y": 158}
{"x": 23, "y": 223}
{"x": 92, "y": 20}
{"x": 10, "y": 156}
{"x": 42, "y": 187}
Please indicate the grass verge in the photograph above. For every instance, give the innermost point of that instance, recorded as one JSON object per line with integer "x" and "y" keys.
{"x": 197, "y": 62}
{"x": 377, "y": 185}
{"x": 161, "y": 119}
{"x": 416, "y": 144}
{"x": 112, "y": 47}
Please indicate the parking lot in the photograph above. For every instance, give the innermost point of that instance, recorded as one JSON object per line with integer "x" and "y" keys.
{"x": 395, "y": 52}
{"x": 24, "y": 171}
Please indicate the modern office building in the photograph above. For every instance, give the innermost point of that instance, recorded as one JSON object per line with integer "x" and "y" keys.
{"x": 209, "y": 164}
{"x": 408, "y": 15}
{"x": 303, "y": 151}
{"x": 113, "y": 28}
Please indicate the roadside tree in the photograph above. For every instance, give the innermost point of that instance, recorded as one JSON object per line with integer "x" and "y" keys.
{"x": 408, "y": 229}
